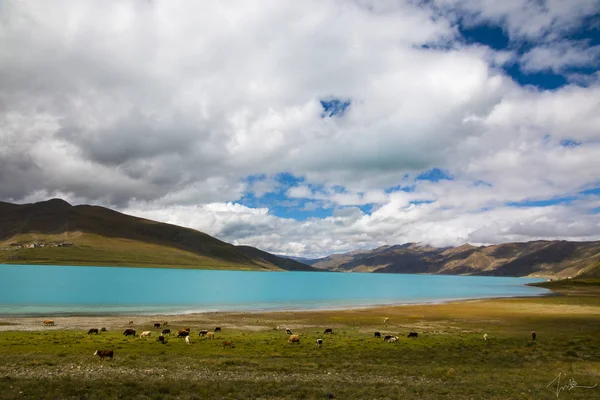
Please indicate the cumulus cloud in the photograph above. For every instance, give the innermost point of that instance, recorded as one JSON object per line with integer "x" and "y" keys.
{"x": 178, "y": 111}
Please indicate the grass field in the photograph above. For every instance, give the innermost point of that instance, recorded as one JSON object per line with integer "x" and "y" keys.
{"x": 449, "y": 360}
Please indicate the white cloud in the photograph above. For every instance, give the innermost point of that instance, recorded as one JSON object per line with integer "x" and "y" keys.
{"x": 558, "y": 56}
{"x": 165, "y": 108}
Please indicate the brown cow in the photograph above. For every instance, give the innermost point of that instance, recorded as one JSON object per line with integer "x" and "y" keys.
{"x": 48, "y": 322}
{"x": 294, "y": 339}
{"x": 104, "y": 353}
{"x": 130, "y": 322}
{"x": 166, "y": 331}
{"x": 183, "y": 333}
{"x": 228, "y": 343}
{"x": 165, "y": 323}
{"x": 210, "y": 335}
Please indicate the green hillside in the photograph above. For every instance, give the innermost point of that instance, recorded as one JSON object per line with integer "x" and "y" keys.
{"x": 91, "y": 235}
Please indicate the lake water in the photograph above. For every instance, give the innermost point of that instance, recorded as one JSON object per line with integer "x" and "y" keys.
{"x": 63, "y": 290}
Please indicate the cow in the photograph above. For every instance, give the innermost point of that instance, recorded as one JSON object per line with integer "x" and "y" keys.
{"x": 533, "y": 335}
{"x": 377, "y": 334}
{"x": 166, "y": 332}
{"x": 187, "y": 339}
{"x": 386, "y": 320}
{"x": 157, "y": 325}
{"x": 48, "y": 322}
{"x": 130, "y": 322}
{"x": 103, "y": 329}
{"x": 319, "y": 342}
{"x": 165, "y": 323}
{"x": 187, "y": 329}
{"x": 217, "y": 329}
{"x": 328, "y": 330}
{"x": 387, "y": 337}
{"x": 104, "y": 353}
{"x": 161, "y": 339}
{"x": 182, "y": 333}
{"x": 393, "y": 339}
{"x": 210, "y": 335}
{"x": 145, "y": 334}
{"x": 129, "y": 332}
{"x": 93, "y": 330}
{"x": 413, "y": 335}
{"x": 294, "y": 339}
{"x": 485, "y": 336}
{"x": 288, "y": 331}
{"x": 228, "y": 343}
{"x": 202, "y": 332}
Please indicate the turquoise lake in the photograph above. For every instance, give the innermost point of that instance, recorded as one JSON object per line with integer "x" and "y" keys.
{"x": 62, "y": 290}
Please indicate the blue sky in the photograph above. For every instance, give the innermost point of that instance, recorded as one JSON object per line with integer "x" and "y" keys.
{"x": 311, "y": 127}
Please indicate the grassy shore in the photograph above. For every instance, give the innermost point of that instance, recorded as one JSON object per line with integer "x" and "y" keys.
{"x": 449, "y": 360}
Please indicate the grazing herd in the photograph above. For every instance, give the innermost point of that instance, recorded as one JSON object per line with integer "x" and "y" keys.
{"x": 185, "y": 333}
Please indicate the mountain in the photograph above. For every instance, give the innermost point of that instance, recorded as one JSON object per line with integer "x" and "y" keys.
{"x": 55, "y": 232}
{"x": 303, "y": 260}
{"x": 538, "y": 258}
{"x": 286, "y": 263}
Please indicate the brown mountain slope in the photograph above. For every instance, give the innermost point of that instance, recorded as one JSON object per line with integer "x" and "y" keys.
{"x": 260, "y": 256}
{"x": 105, "y": 237}
{"x": 538, "y": 258}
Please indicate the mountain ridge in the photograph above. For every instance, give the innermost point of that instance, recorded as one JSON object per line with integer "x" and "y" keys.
{"x": 542, "y": 258}
{"x": 102, "y": 236}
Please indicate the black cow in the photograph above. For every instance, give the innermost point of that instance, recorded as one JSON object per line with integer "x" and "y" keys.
{"x": 161, "y": 339}
{"x": 533, "y": 335}
{"x": 288, "y": 331}
{"x": 413, "y": 334}
{"x": 156, "y": 325}
{"x": 203, "y": 332}
{"x": 387, "y": 337}
{"x": 217, "y": 329}
{"x": 104, "y": 353}
{"x": 129, "y": 332}
{"x": 377, "y": 334}
{"x": 328, "y": 330}
{"x": 103, "y": 329}
{"x": 166, "y": 331}
{"x": 319, "y": 342}
{"x": 93, "y": 330}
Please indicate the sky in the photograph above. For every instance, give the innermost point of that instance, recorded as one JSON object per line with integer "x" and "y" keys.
{"x": 311, "y": 127}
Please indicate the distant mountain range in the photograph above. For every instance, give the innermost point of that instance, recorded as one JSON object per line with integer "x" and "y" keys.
{"x": 55, "y": 232}
{"x": 538, "y": 258}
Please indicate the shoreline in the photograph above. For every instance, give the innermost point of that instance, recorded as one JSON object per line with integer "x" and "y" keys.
{"x": 234, "y": 319}
{"x": 273, "y": 310}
